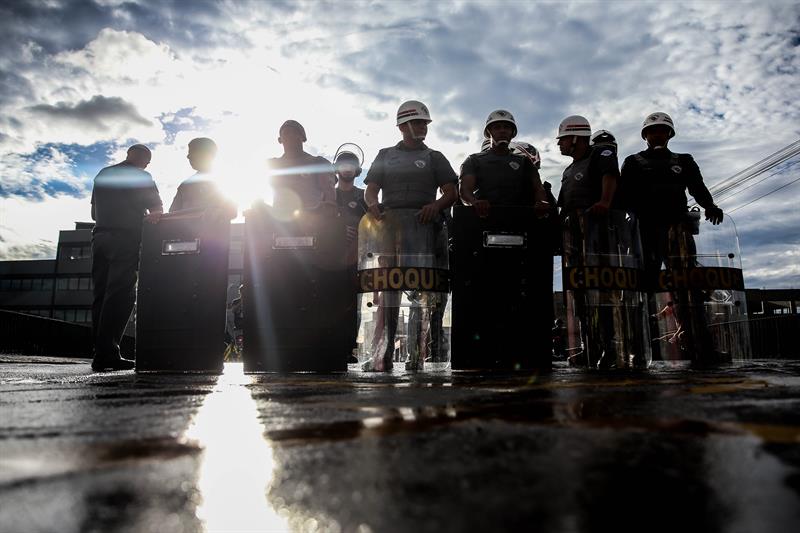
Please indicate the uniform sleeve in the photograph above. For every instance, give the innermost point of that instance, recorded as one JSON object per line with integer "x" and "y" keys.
{"x": 695, "y": 183}
{"x": 467, "y": 167}
{"x": 607, "y": 162}
{"x": 442, "y": 170}
{"x": 377, "y": 170}
{"x": 177, "y": 202}
{"x": 624, "y": 197}
{"x": 152, "y": 200}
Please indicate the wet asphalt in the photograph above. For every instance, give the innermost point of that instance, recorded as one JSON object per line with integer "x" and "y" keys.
{"x": 671, "y": 449}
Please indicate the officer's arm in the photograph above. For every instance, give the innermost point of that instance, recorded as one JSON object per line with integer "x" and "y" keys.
{"x": 155, "y": 206}
{"x": 466, "y": 188}
{"x": 607, "y": 160}
{"x": 701, "y": 194}
{"x": 371, "y": 198}
{"x": 448, "y": 197}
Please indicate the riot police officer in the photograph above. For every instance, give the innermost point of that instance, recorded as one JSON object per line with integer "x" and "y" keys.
{"x": 350, "y": 200}
{"x": 300, "y": 181}
{"x": 201, "y": 192}
{"x": 123, "y": 196}
{"x": 587, "y": 187}
{"x": 653, "y": 185}
{"x": 499, "y": 176}
{"x": 409, "y": 173}
{"x": 589, "y": 182}
{"x": 407, "y": 176}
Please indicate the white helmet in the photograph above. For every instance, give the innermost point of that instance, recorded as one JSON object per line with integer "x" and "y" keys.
{"x": 486, "y": 144}
{"x": 658, "y": 119}
{"x": 412, "y": 110}
{"x": 574, "y": 125}
{"x": 500, "y": 115}
{"x": 602, "y": 137}
{"x": 529, "y": 151}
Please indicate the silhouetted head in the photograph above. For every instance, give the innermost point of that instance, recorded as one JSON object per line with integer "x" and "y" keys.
{"x": 348, "y": 166}
{"x": 139, "y": 156}
{"x": 201, "y": 153}
{"x": 292, "y": 135}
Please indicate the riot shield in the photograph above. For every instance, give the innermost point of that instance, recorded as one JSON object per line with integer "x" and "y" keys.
{"x": 502, "y": 290}
{"x": 604, "y": 292}
{"x": 404, "y": 284}
{"x": 296, "y": 294}
{"x": 183, "y": 274}
{"x": 698, "y": 307}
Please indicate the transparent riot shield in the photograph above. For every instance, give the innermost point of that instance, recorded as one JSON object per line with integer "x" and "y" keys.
{"x": 698, "y": 307}
{"x": 604, "y": 292}
{"x": 403, "y": 301}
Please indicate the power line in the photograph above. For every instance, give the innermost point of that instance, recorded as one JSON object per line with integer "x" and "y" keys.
{"x": 763, "y": 195}
{"x": 724, "y": 198}
{"x": 755, "y": 170}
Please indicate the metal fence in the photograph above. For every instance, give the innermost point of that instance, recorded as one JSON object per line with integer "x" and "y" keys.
{"x": 775, "y": 336}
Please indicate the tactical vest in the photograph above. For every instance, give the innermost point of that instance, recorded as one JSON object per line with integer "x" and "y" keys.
{"x": 409, "y": 181}
{"x": 665, "y": 182}
{"x": 577, "y": 190}
{"x": 502, "y": 180}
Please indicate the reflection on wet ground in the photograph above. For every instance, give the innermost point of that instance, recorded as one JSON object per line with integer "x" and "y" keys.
{"x": 671, "y": 448}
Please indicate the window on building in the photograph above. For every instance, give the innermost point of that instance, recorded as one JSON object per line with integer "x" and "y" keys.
{"x": 36, "y": 284}
{"x": 62, "y": 284}
{"x": 74, "y": 253}
{"x": 83, "y": 284}
{"x": 69, "y": 315}
{"x": 58, "y": 314}
{"x": 73, "y": 284}
{"x": 82, "y": 315}
{"x": 27, "y": 284}
{"x": 16, "y": 284}
{"x": 5, "y": 284}
{"x": 47, "y": 284}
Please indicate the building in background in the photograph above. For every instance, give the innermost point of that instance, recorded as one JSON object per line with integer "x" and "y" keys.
{"x": 61, "y": 288}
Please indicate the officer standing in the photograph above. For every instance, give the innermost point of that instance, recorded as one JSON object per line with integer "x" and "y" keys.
{"x": 409, "y": 173}
{"x": 408, "y": 176}
{"x": 300, "y": 181}
{"x": 653, "y": 185}
{"x": 587, "y": 187}
{"x": 589, "y": 182}
{"x": 498, "y": 176}
{"x": 352, "y": 207}
{"x": 123, "y": 195}
{"x": 201, "y": 192}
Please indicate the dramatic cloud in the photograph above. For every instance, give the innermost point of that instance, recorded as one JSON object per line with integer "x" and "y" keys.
{"x": 100, "y": 113}
{"x": 108, "y": 73}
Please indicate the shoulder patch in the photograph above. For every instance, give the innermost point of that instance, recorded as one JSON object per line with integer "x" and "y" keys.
{"x": 606, "y": 153}
{"x": 419, "y": 163}
{"x": 514, "y": 165}
{"x": 677, "y": 169}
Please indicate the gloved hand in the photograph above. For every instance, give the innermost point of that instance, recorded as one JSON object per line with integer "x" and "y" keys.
{"x": 714, "y": 215}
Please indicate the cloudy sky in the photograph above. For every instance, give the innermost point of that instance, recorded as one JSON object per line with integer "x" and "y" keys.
{"x": 81, "y": 80}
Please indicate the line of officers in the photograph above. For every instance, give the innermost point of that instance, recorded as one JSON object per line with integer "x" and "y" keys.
{"x": 409, "y": 175}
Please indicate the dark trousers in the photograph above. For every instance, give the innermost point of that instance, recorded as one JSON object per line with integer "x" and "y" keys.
{"x": 115, "y": 261}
